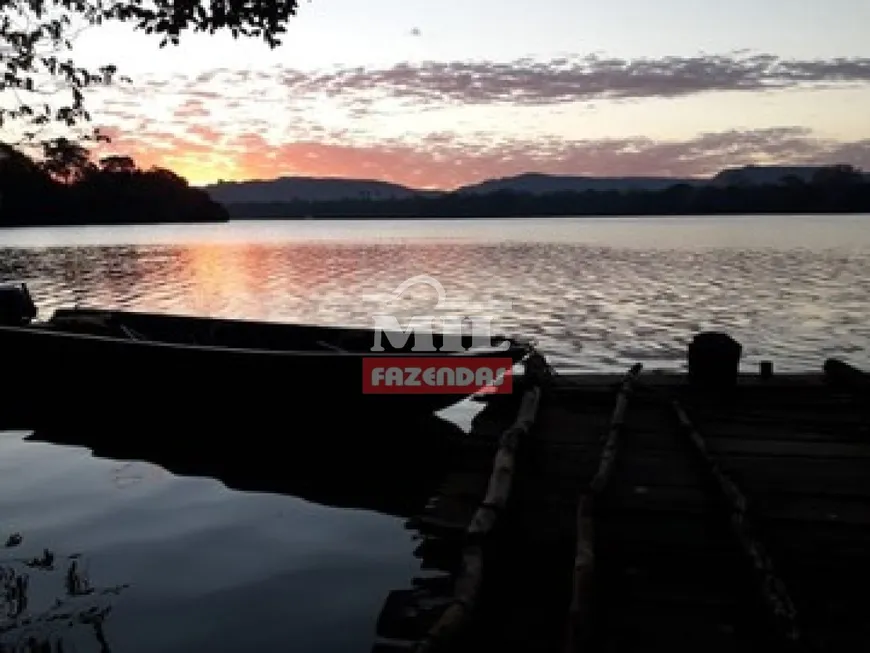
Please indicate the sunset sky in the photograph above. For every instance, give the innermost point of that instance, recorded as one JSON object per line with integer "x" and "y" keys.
{"x": 438, "y": 94}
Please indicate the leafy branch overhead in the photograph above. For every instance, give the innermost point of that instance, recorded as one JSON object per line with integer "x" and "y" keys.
{"x": 40, "y": 82}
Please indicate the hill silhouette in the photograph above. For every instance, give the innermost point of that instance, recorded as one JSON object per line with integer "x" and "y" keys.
{"x": 833, "y": 189}
{"x": 320, "y": 189}
{"x": 315, "y": 189}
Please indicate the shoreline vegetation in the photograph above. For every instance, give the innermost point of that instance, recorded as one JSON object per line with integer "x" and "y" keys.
{"x": 67, "y": 188}
{"x": 838, "y": 189}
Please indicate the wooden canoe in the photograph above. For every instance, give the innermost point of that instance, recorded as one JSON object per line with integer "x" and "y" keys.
{"x": 126, "y": 366}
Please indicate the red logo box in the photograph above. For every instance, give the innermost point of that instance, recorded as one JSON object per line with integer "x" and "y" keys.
{"x": 437, "y": 375}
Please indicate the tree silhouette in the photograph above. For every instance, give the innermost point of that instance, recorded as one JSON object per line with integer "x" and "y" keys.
{"x": 41, "y": 84}
{"x": 118, "y": 164}
{"x": 66, "y": 160}
{"x": 838, "y": 175}
{"x": 67, "y": 188}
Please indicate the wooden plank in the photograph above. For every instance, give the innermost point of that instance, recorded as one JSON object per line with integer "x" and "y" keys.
{"x": 439, "y": 525}
{"x": 720, "y": 442}
{"x": 408, "y": 614}
{"x": 678, "y": 380}
{"x": 465, "y": 484}
{"x": 801, "y": 425}
{"x": 664, "y": 533}
{"x": 734, "y": 433}
{"x": 643, "y": 628}
{"x": 436, "y": 584}
{"x": 806, "y": 508}
{"x": 560, "y": 424}
{"x": 452, "y": 507}
{"x": 389, "y": 645}
{"x": 442, "y": 554}
{"x": 824, "y": 539}
{"x": 759, "y": 474}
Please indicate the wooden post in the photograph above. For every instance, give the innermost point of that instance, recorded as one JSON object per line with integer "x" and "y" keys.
{"x": 714, "y": 360}
{"x": 466, "y": 589}
{"x": 584, "y": 555}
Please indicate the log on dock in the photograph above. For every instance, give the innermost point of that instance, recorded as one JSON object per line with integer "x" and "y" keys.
{"x": 482, "y": 524}
{"x": 584, "y": 558}
{"x": 771, "y": 588}
{"x": 456, "y": 524}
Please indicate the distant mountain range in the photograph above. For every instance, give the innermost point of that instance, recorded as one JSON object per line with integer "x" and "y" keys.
{"x": 313, "y": 189}
{"x": 540, "y": 184}
{"x": 309, "y": 189}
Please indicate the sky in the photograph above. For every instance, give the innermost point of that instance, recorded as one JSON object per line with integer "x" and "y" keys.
{"x": 441, "y": 94}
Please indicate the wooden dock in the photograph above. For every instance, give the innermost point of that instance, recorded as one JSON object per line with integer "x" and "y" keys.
{"x": 649, "y": 512}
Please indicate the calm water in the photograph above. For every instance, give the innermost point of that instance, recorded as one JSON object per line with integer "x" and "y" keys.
{"x": 184, "y": 564}
{"x": 598, "y": 294}
{"x": 188, "y": 565}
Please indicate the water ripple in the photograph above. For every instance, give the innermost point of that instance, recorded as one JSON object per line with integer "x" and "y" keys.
{"x": 590, "y": 306}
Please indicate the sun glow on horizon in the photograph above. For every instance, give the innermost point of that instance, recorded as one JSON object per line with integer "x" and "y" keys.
{"x": 397, "y": 92}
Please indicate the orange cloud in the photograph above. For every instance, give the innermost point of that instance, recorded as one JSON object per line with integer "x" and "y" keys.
{"x": 243, "y": 124}
{"x": 446, "y": 161}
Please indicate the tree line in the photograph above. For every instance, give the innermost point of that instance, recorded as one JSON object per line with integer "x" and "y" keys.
{"x": 836, "y": 189}
{"x": 67, "y": 187}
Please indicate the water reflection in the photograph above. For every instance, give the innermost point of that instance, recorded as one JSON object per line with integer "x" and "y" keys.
{"x": 49, "y": 604}
{"x": 591, "y": 307}
{"x": 386, "y": 469}
{"x": 312, "y": 466}
{"x": 142, "y": 560}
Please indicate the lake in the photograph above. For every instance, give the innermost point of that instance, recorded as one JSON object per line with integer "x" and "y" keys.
{"x": 597, "y": 294}
{"x": 185, "y": 563}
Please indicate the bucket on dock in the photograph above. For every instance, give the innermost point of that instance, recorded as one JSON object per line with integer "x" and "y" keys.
{"x": 714, "y": 360}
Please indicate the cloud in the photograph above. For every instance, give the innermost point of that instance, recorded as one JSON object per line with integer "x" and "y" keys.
{"x": 449, "y": 160}
{"x": 192, "y": 108}
{"x": 264, "y": 123}
{"x": 588, "y": 78}
{"x": 523, "y": 81}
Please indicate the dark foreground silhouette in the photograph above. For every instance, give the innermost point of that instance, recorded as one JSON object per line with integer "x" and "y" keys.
{"x": 67, "y": 188}
{"x": 386, "y": 468}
